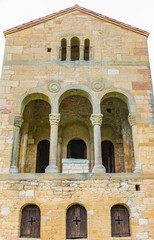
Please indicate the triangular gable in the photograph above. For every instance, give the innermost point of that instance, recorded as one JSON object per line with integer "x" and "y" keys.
{"x": 71, "y": 9}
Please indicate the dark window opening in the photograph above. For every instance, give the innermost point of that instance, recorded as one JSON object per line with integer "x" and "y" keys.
{"x": 30, "y": 222}
{"x": 75, "y": 49}
{"x": 108, "y": 110}
{"x": 48, "y": 49}
{"x": 86, "y": 49}
{"x": 63, "y": 49}
{"x": 76, "y": 222}
{"x": 77, "y": 149}
{"x": 108, "y": 158}
{"x": 120, "y": 221}
{"x": 42, "y": 160}
{"x": 137, "y": 187}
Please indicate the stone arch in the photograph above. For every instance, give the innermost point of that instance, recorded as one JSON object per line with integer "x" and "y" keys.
{"x": 115, "y": 107}
{"x": 29, "y": 96}
{"x": 74, "y": 89}
{"x": 26, "y": 204}
{"x": 75, "y": 203}
{"x": 125, "y": 96}
{"x": 36, "y": 126}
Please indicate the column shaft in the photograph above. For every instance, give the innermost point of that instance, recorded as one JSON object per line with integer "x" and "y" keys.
{"x": 54, "y": 120}
{"x": 96, "y": 120}
{"x": 132, "y": 121}
{"x": 17, "y": 124}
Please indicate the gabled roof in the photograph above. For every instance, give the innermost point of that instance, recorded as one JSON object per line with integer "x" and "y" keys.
{"x": 71, "y": 9}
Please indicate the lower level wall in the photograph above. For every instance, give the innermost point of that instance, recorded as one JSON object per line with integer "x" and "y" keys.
{"x": 54, "y": 193}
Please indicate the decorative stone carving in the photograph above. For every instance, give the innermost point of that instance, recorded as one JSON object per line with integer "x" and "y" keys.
{"x": 97, "y": 86}
{"x": 54, "y": 87}
{"x": 132, "y": 119}
{"x": 96, "y": 119}
{"x": 54, "y": 118}
{"x": 18, "y": 121}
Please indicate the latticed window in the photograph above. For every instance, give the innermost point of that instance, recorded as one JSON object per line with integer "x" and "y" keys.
{"x": 30, "y": 222}
{"x": 119, "y": 221}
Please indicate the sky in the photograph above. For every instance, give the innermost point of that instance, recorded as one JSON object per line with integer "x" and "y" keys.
{"x": 138, "y": 13}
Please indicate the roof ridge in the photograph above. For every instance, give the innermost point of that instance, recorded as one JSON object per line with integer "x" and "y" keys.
{"x": 69, "y": 9}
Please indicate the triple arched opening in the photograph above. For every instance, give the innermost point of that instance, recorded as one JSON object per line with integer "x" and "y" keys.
{"x": 76, "y": 222}
{"x": 75, "y": 132}
{"x": 75, "y": 49}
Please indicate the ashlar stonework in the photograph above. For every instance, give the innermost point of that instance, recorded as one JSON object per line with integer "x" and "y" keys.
{"x": 76, "y": 130}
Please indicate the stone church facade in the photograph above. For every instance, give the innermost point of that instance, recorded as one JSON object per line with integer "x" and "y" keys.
{"x": 76, "y": 130}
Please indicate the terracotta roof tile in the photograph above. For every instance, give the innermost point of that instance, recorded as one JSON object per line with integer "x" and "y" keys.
{"x": 70, "y": 9}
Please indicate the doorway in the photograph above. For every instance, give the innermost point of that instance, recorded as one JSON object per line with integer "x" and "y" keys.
{"x": 108, "y": 158}
{"x": 42, "y": 160}
{"x": 77, "y": 149}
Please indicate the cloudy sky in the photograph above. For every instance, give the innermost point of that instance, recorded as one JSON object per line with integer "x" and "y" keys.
{"x": 138, "y": 13}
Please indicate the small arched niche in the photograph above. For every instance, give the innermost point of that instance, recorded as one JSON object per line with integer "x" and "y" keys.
{"x": 75, "y": 48}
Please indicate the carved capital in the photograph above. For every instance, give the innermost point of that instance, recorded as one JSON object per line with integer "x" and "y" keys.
{"x": 18, "y": 121}
{"x": 96, "y": 119}
{"x": 54, "y": 118}
{"x": 132, "y": 119}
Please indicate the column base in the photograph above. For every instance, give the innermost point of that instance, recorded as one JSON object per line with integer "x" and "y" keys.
{"x": 14, "y": 169}
{"x": 51, "y": 169}
{"x": 99, "y": 169}
{"x": 138, "y": 168}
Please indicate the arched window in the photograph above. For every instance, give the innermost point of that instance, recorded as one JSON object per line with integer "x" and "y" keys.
{"x": 77, "y": 149}
{"x": 120, "y": 221}
{"x": 75, "y": 49}
{"x": 42, "y": 160}
{"x": 108, "y": 158}
{"x": 63, "y": 49}
{"x": 30, "y": 222}
{"x": 76, "y": 222}
{"x": 86, "y": 49}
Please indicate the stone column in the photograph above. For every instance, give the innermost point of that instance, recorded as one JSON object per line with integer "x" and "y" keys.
{"x": 96, "y": 120}
{"x": 23, "y": 149}
{"x": 17, "y": 125}
{"x": 59, "y": 153}
{"x": 81, "y": 52}
{"x": 54, "y": 121}
{"x": 68, "y": 53}
{"x": 126, "y": 147}
{"x": 132, "y": 122}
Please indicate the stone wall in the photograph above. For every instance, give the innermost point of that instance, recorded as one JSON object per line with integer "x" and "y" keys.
{"x": 119, "y": 64}
{"x": 54, "y": 193}
{"x": 118, "y": 68}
